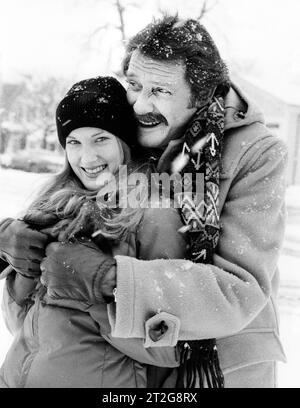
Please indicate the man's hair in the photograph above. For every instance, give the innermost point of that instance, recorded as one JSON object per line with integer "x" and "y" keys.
{"x": 171, "y": 39}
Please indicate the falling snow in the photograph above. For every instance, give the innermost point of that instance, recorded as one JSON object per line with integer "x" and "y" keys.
{"x": 16, "y": 191}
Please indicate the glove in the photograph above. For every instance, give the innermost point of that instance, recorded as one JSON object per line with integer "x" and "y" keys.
{"x": 40, "y": 220}
{"x": 22, "y": 247}
{"x": 76, "y": 271}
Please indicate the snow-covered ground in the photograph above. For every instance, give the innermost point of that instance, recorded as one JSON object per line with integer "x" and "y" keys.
{"x": 17, "y": 189}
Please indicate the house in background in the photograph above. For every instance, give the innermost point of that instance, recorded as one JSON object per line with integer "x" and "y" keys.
{"x": 282, "y": 115}
{"x": 27, "y": 114}
{"x": 12, "y": 136}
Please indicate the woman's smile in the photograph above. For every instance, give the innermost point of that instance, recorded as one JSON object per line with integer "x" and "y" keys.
{"x": 93, "y": 172}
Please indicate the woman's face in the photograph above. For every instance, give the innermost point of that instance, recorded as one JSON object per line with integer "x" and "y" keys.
{"x": 94, "y": 154}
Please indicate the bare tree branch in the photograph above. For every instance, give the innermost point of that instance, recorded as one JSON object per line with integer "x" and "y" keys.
{"x": 86, "y": 44}
{"x": 100, "y": 28}
{"x": 206, "y": 8}
{"x": 121, "y": 9}
{"x": 120, "y": 26}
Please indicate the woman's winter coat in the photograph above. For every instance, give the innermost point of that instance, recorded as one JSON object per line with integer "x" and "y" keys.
{"x": 63, "y": 347}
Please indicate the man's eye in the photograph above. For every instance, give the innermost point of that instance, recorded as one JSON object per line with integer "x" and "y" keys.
{"x": 162, "y": 91}
{"x": 133, "y": 85}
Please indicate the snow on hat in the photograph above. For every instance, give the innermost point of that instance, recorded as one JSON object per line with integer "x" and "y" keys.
{"x": 97, "y": 102}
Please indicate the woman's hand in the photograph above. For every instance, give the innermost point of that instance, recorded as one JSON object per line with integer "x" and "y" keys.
{"x": 22, "y": 247}
{"x": 20, "y": 288}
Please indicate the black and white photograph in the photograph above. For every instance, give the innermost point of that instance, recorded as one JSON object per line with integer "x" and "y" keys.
{"x": 149, "y": 196}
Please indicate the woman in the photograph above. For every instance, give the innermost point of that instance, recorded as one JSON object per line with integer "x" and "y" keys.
{"x": 61, "y": 345}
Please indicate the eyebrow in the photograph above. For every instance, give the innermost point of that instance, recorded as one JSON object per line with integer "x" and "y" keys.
{"x": 98, "y": 133}
{"x": 157, "y": 83}
{"x": 167, "y": 84}
{"x": 131, "y": 75}
{"x": 95, "y": 134}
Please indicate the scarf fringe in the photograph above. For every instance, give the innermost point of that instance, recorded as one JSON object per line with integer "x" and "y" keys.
{"x": 199, "y": 365}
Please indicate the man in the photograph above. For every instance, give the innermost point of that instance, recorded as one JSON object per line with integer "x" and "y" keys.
{"x": 188, "y": 109}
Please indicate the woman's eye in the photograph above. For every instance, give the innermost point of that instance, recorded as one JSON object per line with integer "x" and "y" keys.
{"x": 72, "y": 142}
{"x": 101, "y": 139}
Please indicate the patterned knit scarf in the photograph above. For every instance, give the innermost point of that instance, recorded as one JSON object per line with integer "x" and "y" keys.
{"x": 202, "y": 144}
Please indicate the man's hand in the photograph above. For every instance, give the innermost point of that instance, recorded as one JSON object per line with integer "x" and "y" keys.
{"x": 22, "y": 247}
{"x": 78, "y": 271}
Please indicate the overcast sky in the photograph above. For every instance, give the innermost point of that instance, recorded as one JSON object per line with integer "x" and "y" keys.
{"x": 47, "y": 37}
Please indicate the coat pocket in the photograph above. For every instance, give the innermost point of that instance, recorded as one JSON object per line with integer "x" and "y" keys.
{"x": 251, "y": 347}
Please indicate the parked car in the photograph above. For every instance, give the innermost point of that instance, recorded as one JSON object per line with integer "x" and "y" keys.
{"x": 33, "y": 160}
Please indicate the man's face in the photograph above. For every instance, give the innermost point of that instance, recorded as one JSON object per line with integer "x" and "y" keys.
{"x": 161, "y": 99}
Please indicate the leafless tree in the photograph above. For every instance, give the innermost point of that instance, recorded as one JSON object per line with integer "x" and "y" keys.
{"x": 45, "y": 95}
{"x": 31, "y": 106}
{"x": 116, "y": 28}
{"x": 121, "y": 9}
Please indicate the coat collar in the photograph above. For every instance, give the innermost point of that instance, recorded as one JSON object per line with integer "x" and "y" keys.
{"x": 240, "y": 110}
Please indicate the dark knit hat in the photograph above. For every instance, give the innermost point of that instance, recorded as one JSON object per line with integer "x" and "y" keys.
{"x": 97, "y": 102}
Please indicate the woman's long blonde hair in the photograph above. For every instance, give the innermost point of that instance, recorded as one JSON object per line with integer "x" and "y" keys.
{"x": 79, "y": 213}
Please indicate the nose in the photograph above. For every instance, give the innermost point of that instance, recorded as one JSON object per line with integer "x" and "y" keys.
{"x": 142, "y": 104}
{"x": 89, "y": 155}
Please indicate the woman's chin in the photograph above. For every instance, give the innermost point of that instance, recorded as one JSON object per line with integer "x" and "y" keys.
{"x": 94, "y": 184}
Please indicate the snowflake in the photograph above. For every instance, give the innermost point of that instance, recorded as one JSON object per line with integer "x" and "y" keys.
{"x": 101, "y": 99}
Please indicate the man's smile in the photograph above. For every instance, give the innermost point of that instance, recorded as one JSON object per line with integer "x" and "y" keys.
{"x": 148, "y": 124}
{"x": 150, "y": 120}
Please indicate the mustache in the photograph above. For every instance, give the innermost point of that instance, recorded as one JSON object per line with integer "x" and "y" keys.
{"x": 152, "y": 117}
